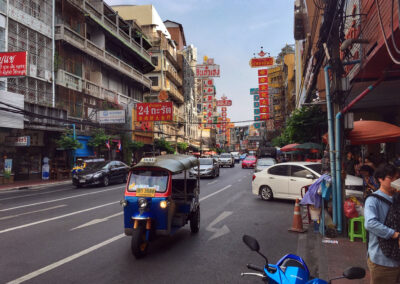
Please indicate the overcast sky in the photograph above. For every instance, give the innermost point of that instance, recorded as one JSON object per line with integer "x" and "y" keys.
{"x": 230, "y": 32}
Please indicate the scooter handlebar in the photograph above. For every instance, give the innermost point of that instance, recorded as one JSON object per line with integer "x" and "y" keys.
{"x": 255, "y": 267}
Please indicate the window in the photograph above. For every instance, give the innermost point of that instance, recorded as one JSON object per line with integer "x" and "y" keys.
{"x": 279, "y": 170}
{"x": 297, "y": 171}
{"x": 154, "y": 60}
{"x": 154, "y": 81}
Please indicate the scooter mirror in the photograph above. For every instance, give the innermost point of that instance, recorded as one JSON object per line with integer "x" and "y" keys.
{"x": 251, "y": 243}
{"x": 354, "y": 273}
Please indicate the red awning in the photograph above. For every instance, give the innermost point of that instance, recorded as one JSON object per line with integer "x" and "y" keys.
{"x": 372, "y": 132}
{"x": 289, "y": 148}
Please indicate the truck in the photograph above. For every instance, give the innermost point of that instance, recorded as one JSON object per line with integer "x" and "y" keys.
{"x": 266, "y": 152}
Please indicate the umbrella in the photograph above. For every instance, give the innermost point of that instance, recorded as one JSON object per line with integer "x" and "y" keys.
{"x": 289, "y": 147}
{"x": 294, "y": 152}
{"x": 373, "y": 132}
{"x": 308, "y": 146}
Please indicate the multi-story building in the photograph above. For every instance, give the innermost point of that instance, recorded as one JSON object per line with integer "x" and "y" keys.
{"x": 276, "y": 90}
{"x": 167, "y": 76}
{"x": 289, "y": 84}
{"x": 25, "y": 139}
{"x": 100, "y": 61}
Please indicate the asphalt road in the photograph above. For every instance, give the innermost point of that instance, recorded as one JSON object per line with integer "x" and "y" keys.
{"x": 61, "y": 234}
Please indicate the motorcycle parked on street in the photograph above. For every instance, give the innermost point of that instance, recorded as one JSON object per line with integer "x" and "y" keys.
{"x": 290, "y": 269}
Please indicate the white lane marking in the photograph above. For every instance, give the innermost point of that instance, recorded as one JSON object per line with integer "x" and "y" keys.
{"x": 36, "y": 211}
{"x": 65, "y": 260}
{"x": 57, "y": 217}
{"x": 214, "y": 193}
{"x": 218, "y": 232}
{"x": 215, "y": 181}
{"x": 22, "y": 196}
{"x": 96, "y": 221}
{"x": 59, "y": 199}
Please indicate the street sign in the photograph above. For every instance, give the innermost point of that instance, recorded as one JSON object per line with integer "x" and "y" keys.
{"x": 256, "y": 98}
{"x": 204, "y": 71}
{"x": 224, "y": 102}
{"x": 154, "y": 111}
{"x": 111, "y": 116}
{"x": 261, "y": 62}
{"x": 256, "y": 111}
{"x": 256, "y": 104}
{"x": 253, "y": 91}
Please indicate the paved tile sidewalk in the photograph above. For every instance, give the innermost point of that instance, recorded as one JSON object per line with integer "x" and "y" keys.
{"x": 32, "y": 184}
{"x": 329, "y": 260}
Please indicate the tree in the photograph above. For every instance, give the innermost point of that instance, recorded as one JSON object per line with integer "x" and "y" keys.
{"x": 69, "y": 143}
{"x": 306, "y": 124}
{"x": 182, "y": 146}
{"x": 163, "y": 145}
{"x": 99, "y": 139}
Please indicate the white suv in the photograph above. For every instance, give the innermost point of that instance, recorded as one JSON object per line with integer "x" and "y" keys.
{"x": 226, "y": 159}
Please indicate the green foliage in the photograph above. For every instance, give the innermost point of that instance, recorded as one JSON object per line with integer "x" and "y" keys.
{"x": 99, "y": 139}
{"x": 182, "y": 146}
{"x": 135, "y": 145}
{"x": 306, "y": 124}
{"x": 163, "y": 145}
{"x": 68, "y": 142}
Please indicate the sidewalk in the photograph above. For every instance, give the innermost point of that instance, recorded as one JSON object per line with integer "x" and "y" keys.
{"x": 329, "y": 260}
{"x": 33, "y": 184}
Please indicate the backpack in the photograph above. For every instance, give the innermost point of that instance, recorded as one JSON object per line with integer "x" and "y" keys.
{"x": 390, "y": 247}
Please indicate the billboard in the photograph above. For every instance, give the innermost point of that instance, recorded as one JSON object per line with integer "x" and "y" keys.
{"x": 13, "y": 63}
{"x": 224, "y": 102}
{"x": 205, "y": 71}
{"x": 111, "y": 116}
{"x": 261, "y": 62}
{"x": 154, "y": 111}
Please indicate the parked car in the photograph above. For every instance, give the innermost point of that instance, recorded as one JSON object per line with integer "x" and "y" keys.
{"x": 104, "y": 173}
{"x": 249, "y": 162}
{"x": 285, "y": 180}
{"x": 236, "y": 156}
{"x": 226, "y": 159}
{"x": 264, "y": 163}
{"x": 208, "y": 168}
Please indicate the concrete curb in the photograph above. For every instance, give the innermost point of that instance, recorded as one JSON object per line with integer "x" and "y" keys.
{"x": 36, "y": 186}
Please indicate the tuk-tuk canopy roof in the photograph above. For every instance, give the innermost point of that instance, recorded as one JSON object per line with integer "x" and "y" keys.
{"x": 172, "y": 163}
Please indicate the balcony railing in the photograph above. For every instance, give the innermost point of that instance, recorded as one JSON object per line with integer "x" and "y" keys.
{"x": 69, "y": 80}
{"x": 173, "y": 75}
{"x": 62, "y": 32}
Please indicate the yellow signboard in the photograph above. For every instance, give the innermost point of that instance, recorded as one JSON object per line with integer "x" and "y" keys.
{"x": 146, "y": 192}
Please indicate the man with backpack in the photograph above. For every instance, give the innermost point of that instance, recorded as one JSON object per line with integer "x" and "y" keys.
{"x": 383, "y": 269}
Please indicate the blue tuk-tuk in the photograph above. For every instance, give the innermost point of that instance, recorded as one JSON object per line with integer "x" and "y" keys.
{"x": 159, "y": 199}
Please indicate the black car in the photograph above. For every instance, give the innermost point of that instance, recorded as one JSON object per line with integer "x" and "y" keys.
{"x": 103, "y": 173}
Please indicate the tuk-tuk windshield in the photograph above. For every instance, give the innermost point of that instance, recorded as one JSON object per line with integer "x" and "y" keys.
{"x": 148, "y": 179}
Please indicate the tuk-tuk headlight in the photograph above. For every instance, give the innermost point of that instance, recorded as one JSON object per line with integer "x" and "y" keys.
{"x": 163, "y": 204}
{"x": 142, "y": 203}
{"x": 123, "y": 203}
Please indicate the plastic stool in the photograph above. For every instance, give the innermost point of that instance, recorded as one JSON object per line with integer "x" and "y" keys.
{"x": 360, "y": 232}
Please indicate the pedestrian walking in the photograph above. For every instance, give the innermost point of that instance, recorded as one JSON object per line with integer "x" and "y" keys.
{"x": 382, "y": 268}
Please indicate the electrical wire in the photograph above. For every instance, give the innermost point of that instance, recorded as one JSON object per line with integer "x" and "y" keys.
{"x": 391, "y": 27}
{"x": 384, "y": 35}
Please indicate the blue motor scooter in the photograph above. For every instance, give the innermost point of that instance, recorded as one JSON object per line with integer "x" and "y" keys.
{"x": 290, "y": 269}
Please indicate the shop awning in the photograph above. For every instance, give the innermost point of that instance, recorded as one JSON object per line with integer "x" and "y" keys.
{"x": 289, "y": 148}
{"x": 372, "y": 132}
{"x": 309, "y": 146}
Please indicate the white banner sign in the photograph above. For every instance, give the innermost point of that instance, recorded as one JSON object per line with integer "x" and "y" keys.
{"x": 205, "y": 71}
{"x": 111, "y": 116}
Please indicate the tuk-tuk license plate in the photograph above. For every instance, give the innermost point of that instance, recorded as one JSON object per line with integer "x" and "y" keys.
{"x": 146, "y": 192}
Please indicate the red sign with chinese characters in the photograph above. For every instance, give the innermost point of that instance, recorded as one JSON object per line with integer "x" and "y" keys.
{"x": 262, "y": 80}
{"x": 154, "y": 111}
{"x": 263, "y": 72}
{"x": 13, "y": 63}
{"x": 224, "y": 102}
{"x": 264, "y": 102}
{"x": 261, "y": 62}
{"x": 263, "y": 87}
{"x": 263, "y": 95}
{"x": 223, "y": 108}
{"x": 264, "y": 109}
{"x": 264, "y": 116}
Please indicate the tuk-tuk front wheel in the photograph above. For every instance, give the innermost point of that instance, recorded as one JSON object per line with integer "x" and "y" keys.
{"x": 139, "y": 243}
{"x": 195, "y": 221}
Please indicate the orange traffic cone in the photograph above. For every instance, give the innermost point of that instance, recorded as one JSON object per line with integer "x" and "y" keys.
{"x": 297, "y": 225}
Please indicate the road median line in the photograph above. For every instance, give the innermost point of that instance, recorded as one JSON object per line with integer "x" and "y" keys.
{"x": 214, "y": 193}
